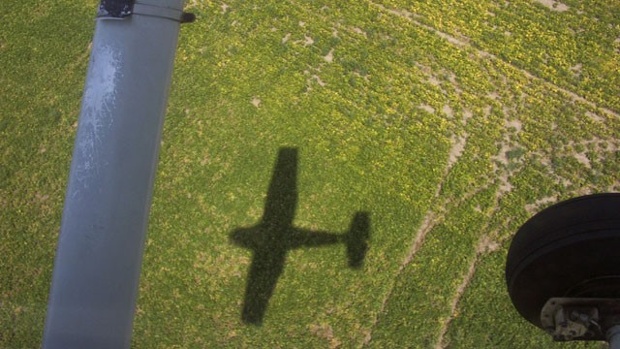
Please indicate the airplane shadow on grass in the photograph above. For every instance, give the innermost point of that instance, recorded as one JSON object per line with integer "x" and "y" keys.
{"x": 274, "y": 236}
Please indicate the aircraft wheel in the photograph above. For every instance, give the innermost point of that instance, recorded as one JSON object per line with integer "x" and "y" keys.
{"x": 571, "y": 249}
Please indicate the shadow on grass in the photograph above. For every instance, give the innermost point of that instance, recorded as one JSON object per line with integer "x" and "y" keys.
{"x": 272, "y": 238}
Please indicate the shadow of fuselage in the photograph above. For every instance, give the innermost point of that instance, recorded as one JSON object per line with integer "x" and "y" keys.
{"x": 274, "y": 236}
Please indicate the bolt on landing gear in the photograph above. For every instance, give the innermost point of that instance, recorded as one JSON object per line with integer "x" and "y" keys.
{"x": 563, "y": 269}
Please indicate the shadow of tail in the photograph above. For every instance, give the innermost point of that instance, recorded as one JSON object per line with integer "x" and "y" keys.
{"x": 357, "y": 239}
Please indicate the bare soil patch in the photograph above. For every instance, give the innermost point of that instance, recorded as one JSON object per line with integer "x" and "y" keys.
{"x": 553, "y": 5}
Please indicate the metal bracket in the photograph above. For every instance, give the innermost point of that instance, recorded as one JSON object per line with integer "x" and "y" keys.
{"x": 120, "y": 9}
{"x": 568, "y": 319}
{"x": 115, "y": 9}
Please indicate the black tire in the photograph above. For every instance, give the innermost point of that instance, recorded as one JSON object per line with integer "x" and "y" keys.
{"x": 571, "y": 249}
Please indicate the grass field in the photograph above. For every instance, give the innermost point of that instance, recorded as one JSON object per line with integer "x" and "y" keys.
{"x": 448, "y": 122}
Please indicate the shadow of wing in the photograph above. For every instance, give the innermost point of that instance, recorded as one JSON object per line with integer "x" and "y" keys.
{"x": 265, "y": 270}
{"x": 282, "y": 194}
{"x": 249, "y": 238}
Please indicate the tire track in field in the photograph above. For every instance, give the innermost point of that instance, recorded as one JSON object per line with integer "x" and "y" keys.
{"x": 460, "y": 43}
{"x": 488, "y": 243}
{"x": 434, "y": 216}
{"x": 437, "y": 213}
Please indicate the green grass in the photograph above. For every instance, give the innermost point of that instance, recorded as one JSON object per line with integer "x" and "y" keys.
{"x": 457, "y": 119}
